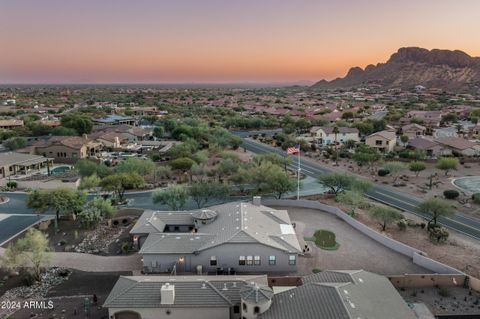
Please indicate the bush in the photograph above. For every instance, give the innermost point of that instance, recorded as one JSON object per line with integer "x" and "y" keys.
{"x": 451, "y": 193}
{"x": 402, "y": 224}
{"x": 476, "y": 198}
{"x": 383, "y": 172}
{"x": 438, "y": 235}
{"x": 125, "y": 247}
{"x": 316, "y": 270}
{"x": 12, "y": 185}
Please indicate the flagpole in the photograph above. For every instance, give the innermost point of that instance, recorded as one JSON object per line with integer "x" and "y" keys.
{"x": 298, "y": 175}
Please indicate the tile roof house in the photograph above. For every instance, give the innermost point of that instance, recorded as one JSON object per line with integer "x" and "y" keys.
{"x": 325, "y": 136}
{"x": 429, "y": 118}
{"x": 132, "y": 133}
{"x": 67, "y": 149}
{"x": 244, "y": 237}
{"x": 200, "y": 297}
{"x": 413, "y": 130}
{"x": 429, "y": 146}
{"x": 325, "y": 295}
{"x": 384, "y": 141}
{"x": 12, "y": 163}
{"x": 11, "y": 123}
{"x": 460, "y": 145}
{"x": 340, "y": 295}
{"x": 116, "y": 120}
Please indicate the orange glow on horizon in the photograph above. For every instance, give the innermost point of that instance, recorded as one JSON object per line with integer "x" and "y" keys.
{"x": 159, "y": 41}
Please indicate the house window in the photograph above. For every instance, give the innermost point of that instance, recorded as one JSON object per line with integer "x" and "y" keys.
{"x": 378, "y": 142}
{"x": 256, "y": 260}
{"x": 272, "y": 260}
{"x": 292, "y": 260}
{"x": 256, "y": 310}
{"x": 241, "y": 260}
{"x": 213, "y": 261}
{"x": 236, "y": 309}
{"x": 244, "y": 306}
{"x": 249, "y": 260}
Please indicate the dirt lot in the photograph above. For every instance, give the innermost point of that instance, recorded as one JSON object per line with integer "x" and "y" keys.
{"x": 459, "y": 251}
{"x": 69, "y": 297}
{"x": 445, "y": 300}
{"x": 356, "y": 251}
{"x": 417, "y": 185}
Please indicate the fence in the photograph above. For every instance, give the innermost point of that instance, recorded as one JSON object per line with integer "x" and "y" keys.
{"x": 418, "y": 257}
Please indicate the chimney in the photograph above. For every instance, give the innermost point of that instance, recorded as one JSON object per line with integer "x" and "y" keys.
{"x": 167, "y": 294}
{"x": 257, "y": 200}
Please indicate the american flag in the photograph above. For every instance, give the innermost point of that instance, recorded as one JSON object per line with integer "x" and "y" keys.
{"x": 293, "y": 150}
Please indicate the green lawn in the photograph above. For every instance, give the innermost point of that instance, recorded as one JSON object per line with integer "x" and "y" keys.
{"x": 324, "y": 239}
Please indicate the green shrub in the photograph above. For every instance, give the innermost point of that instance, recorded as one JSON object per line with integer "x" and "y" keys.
{"x": 125, "y": 247}
{"x": 438, "y": 235}
{"x": 12, "y": 184}
{"x": 383, "y": 172}
{"x": 451, "y": 193}
{"x": 316, "y": 270}
{"x": 476, "y": 198}
{"x": 443, "y": 291}
{"x": 402, "y": 224}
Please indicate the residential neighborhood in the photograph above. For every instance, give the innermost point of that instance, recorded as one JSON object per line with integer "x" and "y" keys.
{"x": 239, "y": 159}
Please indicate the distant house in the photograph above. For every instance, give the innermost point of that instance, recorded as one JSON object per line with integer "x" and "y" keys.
{"x": 12, "y": 163}
{"x": 11, "y": 123}
{"x": 384, "y": 141}
{"x": 129, "y": 132}
{"x": 429, "y": 118}
{"x": 445, "y": 132}
{"x": 67, "y": 149}
{"x": 51, "y": 123}
{"x": 340, "y": 295}
{"x": 240, "y": 237}
{"x": 430, "y": 147}
{"x": 116, "y": 120}
{"x": 325, "y": 135}
{"x": 413, "y": 130}
{"x": 460, "y": 146}
{"x": 333, "y": 116}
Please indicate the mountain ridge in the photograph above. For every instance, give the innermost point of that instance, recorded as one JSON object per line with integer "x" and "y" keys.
{"x": 412, "y": 66}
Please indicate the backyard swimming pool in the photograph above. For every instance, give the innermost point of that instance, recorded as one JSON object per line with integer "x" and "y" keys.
{"x": 60, "y": 169}
{"x": 469, "y": 184}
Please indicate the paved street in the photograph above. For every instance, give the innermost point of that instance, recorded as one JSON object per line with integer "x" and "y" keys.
{"x": 464, "y": 224}
{"x": 15, "y": 216}
{"x": 13, "y": 223}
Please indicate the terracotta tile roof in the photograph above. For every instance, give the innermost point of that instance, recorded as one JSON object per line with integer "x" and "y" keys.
{"x": 456, "y": 142}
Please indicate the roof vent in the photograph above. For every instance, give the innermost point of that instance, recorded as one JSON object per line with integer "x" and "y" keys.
{"x": 225, "y": 286}
{"x": 204, "y": 214}
{"x": 167, "y": 294}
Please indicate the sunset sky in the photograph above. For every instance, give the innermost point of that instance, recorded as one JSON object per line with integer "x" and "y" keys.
{"x": 148, "y": 41}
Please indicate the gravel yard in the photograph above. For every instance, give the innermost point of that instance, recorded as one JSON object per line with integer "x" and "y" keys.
{"x": 356, "y": 250}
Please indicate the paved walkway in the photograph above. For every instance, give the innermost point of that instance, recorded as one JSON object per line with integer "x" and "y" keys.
{"x": 93, "y": 263}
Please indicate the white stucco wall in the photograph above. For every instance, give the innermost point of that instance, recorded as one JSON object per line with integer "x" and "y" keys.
{"x": 227, "y": 256}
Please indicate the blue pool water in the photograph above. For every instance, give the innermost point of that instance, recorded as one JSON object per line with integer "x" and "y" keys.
{"x": 60, "y": 169}
{"x": 469, "y": 184}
